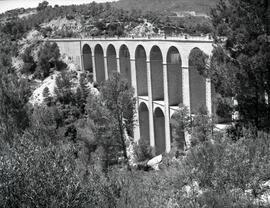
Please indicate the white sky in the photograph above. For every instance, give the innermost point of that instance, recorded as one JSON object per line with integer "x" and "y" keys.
{"x": 13, "y": 4}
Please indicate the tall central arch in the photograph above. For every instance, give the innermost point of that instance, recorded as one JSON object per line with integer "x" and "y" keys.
{"x": 87, "y": 58}
{"x": 156, "y": 64}
{"x": 125, "y": 69}
{"x": 141, "y": 71}
{"x": 99, "y": 63}
{"x": 174, "y": 67}
{"x": 111, "y": 60}
{"x": 197, "y": 81}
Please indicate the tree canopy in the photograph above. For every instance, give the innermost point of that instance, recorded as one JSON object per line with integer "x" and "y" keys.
{"x": 240, "y": 65}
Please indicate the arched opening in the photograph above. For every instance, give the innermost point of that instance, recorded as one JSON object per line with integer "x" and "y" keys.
{"x": 144, "y": 122}
{"x": 141, "y": 71}
{"x": 159, "y": 125}
{"x": 197, "y": 81}
{"x": 174, "y": 77}
{"x": 87, "y": 58}
{"x": 99, "y": 63}
{"x": 177, "y": 133}
{"x": 156, "y": 62}
{"x": 111, "y": 60}
{"x": 124, "y": 57}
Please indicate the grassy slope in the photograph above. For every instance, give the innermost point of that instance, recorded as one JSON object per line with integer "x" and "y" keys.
{"x": 169, "y": 5}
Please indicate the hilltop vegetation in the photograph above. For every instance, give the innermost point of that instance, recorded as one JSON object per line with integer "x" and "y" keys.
{"x": 96, "y": 20}
{"x": 201, "y": 6}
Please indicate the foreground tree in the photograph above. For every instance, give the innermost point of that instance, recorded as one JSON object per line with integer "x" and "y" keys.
{"x": 113, "y": 115}
{"x": 14, "y": 95}
{"x": 240, "y": 65}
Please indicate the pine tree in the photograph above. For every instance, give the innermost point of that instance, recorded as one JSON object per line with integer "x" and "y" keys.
{"x": 240, "y": 66}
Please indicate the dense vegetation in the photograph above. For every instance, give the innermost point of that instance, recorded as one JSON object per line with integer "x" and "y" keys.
{"x": 98, "y": 19}
{"x": 169, "y": 5}
{"x": 72, "y": 151}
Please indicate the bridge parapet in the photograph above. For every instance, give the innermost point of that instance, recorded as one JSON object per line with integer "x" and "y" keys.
{"x": 181, "y": 38}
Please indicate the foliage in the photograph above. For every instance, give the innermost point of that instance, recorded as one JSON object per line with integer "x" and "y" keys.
{"x": 201, "y": 127}
{"x": 14, "y": 95}
{"x": 42, "y": 6}
{"x": 113, "y": 116}
{"x": 170, "y": 5}
{"x": 36, "y": 176}
{"x": 240, "y": 65}
{"x": 48, "y": 58}
{"x": 143, "y": 151}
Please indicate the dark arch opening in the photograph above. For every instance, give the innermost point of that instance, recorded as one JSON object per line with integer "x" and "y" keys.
{"x": 124, "y": 57}
{"x": 197, "y": 81}
{"x": 99, "y": 63}
{"x": 111, "y": 60}
{"x": 174, "y": 73}
{"x": 87, "y": 58}
{"x": 141, "y": 71}
{"x": 144, "y": 123}
{"x": 159, "y": 126}
{"x": 156, "y": 64}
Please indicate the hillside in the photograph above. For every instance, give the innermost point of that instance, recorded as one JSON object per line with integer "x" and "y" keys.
{"x": 200, "y": 6}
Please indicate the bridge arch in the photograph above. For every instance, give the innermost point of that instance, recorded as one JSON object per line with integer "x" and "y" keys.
{"x": 159, "y": 131}
{"x": 196, "y": 79}
{"x": 87, "y": 58}
{"x": 144, "y": 122}
{"x": 174, "y": 67}
{"x": 156, "y": 65}
{"x": 125, "y": 68}
{"x": 141, "y": 71}
{"x": 99, "y": 63}
{"x": 111, "y": 59}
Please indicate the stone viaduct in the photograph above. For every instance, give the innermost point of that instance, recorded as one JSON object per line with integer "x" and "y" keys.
{"x": 159, "y": 69}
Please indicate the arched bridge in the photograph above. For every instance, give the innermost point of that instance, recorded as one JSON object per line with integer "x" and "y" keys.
{"x": 160, "y": 70}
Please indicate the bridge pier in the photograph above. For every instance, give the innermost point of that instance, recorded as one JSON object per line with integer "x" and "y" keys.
{"x": 166, "y": 108}
{"x": 150, "y": 104}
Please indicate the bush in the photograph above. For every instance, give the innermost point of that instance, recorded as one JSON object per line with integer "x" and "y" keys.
{"x": 143, "y": 151}
{"x": 48, "y": 59}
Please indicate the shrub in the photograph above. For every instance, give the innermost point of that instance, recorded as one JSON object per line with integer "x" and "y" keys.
{"x": 143, "y": 151}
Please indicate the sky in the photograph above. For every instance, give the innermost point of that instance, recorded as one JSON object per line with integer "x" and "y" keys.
{"x": 6, "y": 5}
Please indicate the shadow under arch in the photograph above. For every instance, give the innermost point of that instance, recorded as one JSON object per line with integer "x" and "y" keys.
{"x": 125, "y": 68}
{"x": 174, "y": 73}
{"x": 156, "y": 65}
{"x": 111, "y": 60}
{"x": 159, "y": 127}
{"x": 141, "y": 71}
{"x": 99, "y": 63}
{"x": 144, "y": 122}
{"x": 87, "y": 58}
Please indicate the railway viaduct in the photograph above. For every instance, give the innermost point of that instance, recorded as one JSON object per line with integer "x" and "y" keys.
{"x": 158, "y": 68}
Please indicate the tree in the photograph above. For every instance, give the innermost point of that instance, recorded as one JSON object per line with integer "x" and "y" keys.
{"x": 14, "y": 95}
{"x": 48, "y": 58}
{"x": 113, "y": 115}
{"x": 119, "y": 100}
{"x": 240, "y": 66}
{"x": 42, "y": 6}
